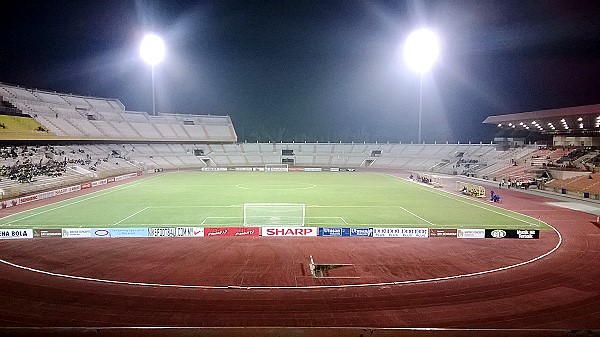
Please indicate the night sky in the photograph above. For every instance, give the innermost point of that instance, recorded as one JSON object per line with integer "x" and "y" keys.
{"x": 320, "y": 70}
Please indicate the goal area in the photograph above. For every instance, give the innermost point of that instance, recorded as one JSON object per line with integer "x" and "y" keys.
{"x": 274, "y": 214}
{"x": 276, "y": 167}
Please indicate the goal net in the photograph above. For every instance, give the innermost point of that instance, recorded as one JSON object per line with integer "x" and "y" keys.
{"x": 274, "y": 214}
{"x": 276, "y": 167}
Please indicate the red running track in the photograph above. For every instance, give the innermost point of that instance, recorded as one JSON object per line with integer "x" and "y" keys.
{"x": 559, "y": 291}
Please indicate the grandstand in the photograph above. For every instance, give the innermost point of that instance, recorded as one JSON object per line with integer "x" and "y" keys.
{"x": 55, "y": 143}
{"x": 100, "y": 138}
{"x": 72, "y": 117}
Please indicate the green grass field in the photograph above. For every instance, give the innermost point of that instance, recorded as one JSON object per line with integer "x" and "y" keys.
{"x": 213, "y": 199}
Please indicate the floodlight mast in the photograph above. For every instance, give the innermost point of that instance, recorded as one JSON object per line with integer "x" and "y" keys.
{"x": 420, "y": 52}
{"x": 152, "y": 51}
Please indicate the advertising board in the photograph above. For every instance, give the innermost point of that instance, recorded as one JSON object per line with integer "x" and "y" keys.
{"x": 290, "y": 231}
{"x": 336, "y": 231}
{"x": 100, "y": 233}
{"x": 129, "y": 232}
{"x": 232, "y": 231}
{"x": 47, "y": 233}
{"x": 361, "y": 232}
{"x": 512, "y": 233}
{"x": 16, "y": 233}
{"x": 400, "y": 232}
{"x": 76, "y": 233}
{"x": 470, "y": 233}
{"x": 442, "y": 232}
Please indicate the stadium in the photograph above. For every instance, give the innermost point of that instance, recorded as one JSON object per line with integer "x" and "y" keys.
{"x": 148, "y": 223}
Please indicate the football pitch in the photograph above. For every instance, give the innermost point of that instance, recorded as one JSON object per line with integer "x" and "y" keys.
{"x": 331, "y": 199}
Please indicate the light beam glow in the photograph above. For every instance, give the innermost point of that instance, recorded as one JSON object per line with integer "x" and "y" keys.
{"x": 421, "y": 50}
{"x": 152, "y": 49}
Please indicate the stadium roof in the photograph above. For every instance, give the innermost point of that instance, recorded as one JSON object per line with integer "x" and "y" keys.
{"x": 577, "y": 120}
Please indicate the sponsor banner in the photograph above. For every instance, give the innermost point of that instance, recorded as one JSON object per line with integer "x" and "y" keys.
{"x": 313, "y": 169}
{"x": 361, "y": 231}
{"x": 110, "y": 180}
{"x": 47, "y": 233}
{"x": 278, "y": 169}
{"x": 129, "y": 232}
{"x": 218, "y": 231}
{"x": 85, "y": 185}
{"x": 290, "y": 231}
{"x": 259, "y": 169}
{"x": 400, "y": 232}
{"x": 100, "y": 233}
{"x": 45, "y": 195}
{"x": 29, "y": 198}
{"x": 76, "y": 233}
{"x": 74, "y": 188}
{"x": 213, "y": 169}
{"x": 189, "y": 232}
{"x": 470, "y": 233}
{"x": 442, "y": 232}
{"x": 334, "y": 169}
{"x": 127, "y": 176}
{"x": 162, "y": 232}
{"x": 99, "y": 182}
{"x": 295, "y": 169}
{"x": 16, "y": 233}
{"x": 512, "y": 233}
{"x": 243, "y": 169}
{"x": 232, "y": 231}
{"x": 176, "y": 232}
{"x": 246, "y": 231}
{"x": 334, "y": 231}
{"x": 61, "y": 191}
{"x": 9, "y": 203}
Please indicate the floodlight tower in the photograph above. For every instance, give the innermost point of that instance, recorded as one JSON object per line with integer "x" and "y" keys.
{"x": 152, "y": 51}
{"x": 421, "y": 50}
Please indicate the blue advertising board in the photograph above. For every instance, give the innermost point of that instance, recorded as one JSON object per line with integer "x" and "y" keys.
{"x": 334, "y": 231}
{"x": 361, "y": 231}
{"x": 129, "y": 232}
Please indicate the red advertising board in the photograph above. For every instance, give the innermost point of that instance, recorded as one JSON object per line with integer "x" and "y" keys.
{"x": 232, "y": 231}
{"x": 86, "y": 185}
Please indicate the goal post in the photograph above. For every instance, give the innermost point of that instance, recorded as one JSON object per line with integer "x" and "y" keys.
{"x": 274, "y": 214}
{"x": 276, "y": 167}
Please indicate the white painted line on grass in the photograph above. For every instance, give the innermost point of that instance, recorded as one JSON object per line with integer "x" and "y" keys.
{"x": 136, "y": 213}
{"x": 92, "y": 195}
{"x": 431, "y": 223}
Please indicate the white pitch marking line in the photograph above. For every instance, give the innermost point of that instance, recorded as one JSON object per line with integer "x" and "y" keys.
{"x": 134, "y": 214}
{"x": 342, "y": 286}
{"x": 462, "y": 199}
{"x": 431, "y": 223}
{"x": 95, "y": 195}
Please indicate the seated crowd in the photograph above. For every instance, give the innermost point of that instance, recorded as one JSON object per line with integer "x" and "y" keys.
{"x": 24, "y": 169}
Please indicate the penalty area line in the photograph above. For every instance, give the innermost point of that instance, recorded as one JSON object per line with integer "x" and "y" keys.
{"x": 132, "y": 215}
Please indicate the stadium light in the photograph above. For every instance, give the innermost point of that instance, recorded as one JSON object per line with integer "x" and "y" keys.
{"x": 152, "y": 51}
{"x": 421, "y": 50}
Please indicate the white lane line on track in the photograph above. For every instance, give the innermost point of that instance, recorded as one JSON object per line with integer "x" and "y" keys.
{"x": 342, "y": 286}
